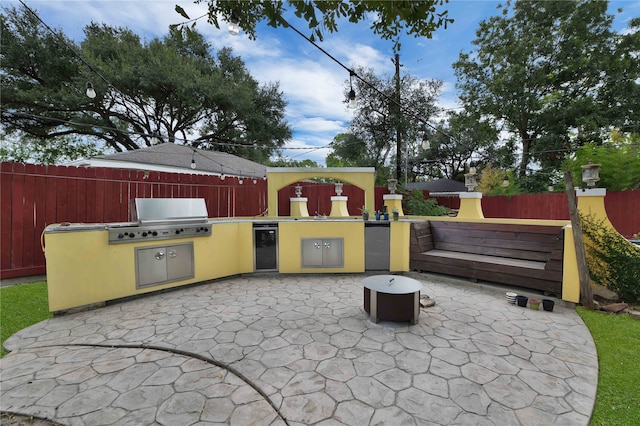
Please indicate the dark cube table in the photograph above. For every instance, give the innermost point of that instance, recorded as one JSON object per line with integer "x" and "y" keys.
{"x": 392, "y": 298}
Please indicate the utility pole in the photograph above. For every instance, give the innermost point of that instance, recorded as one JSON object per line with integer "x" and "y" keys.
{"x": 398, "y": 121}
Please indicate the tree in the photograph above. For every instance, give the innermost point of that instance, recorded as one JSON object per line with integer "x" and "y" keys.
{"x": 388, "y": 18}
{"x": 166, "y": 90}
{"x": 538, "y": 68}
{"x": 456, "y": 142}
{"x": 619, "y": 160}
{"x": 371, "y": 141}
{"x": 56, "y": 151}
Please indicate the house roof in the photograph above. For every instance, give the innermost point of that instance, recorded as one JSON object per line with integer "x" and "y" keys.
{"x": 438, "y": 185}
{"x": 177, "y": 158}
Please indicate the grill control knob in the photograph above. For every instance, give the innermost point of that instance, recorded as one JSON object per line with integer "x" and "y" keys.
{"x": 177, "y": 231}
{"x": 154, "y": 233}
{"x": 144, "y": 234}
{"x": 120, "y": 236}
{"x": 131, "y": 235}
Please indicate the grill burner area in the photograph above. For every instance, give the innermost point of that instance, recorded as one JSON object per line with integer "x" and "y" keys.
{"x": 133, "y": 233}
{"x": 163, "y": 219}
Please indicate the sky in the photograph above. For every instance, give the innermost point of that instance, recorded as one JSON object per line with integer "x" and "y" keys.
{"x": 313, "y": 84}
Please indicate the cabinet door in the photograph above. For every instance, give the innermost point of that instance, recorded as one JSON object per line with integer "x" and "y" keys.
{"x": 332, "y": 253}
{"x": 311, "y": 252}
{"x": 180, "y": 262}
{"x": 151, "y": 266}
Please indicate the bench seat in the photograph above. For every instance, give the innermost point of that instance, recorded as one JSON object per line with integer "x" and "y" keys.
{"x": 527, "y": 256}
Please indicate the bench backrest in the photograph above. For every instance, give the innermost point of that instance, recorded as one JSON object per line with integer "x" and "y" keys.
{"x": 528, "y": 242}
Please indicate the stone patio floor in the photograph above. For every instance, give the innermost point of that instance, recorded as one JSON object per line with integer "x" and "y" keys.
{"x": 300, "y": 350}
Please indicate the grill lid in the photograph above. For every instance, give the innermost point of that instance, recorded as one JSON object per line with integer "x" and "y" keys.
{"x": 170, "y": 210}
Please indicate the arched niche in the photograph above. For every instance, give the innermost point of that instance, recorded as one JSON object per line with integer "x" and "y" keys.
{"x": 280, "y": 177}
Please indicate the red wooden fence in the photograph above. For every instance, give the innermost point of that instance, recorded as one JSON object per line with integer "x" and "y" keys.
{"x": 623, "y": 207}
{"x": 34, "y": 196}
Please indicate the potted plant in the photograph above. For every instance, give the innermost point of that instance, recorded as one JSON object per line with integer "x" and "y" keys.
{"x": 534, "y": 304}
{"x": 365, "y": 213}
{"x": 395, "y": 213}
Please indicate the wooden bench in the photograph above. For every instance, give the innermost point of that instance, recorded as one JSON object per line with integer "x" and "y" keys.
{"x": 529, "y": 256}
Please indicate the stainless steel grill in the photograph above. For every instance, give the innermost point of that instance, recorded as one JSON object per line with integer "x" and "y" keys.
{"x": 163, "y": 219}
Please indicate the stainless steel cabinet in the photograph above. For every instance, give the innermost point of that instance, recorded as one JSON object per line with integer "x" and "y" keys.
{"x": 322, "y": 252}
{"x": 164, "y": 264}
{"x": 376, "y": 247}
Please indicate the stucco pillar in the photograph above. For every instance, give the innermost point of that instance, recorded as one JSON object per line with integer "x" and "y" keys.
{"x": 393, "y": 201}
{"x": 339, "y": 207}
{"x": 471, "y": 205}
{"x": 591, "y": 203}
{"x": 299, "y": 207}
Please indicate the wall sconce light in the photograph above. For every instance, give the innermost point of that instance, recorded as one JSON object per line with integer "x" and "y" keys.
{"x": 591, "y": 174}
{"x": 234, "y": 27}
{"x": 352, "y": 93}
{"x": 298, "y": 191}
{"x": 392, "y": 184}
{"x": 505, "y": 181}
{"x": 338, "y": 188}
{"x": 240, "y": 180}
{"x": 255, "y": 180}
{"x": 91, "y": 93}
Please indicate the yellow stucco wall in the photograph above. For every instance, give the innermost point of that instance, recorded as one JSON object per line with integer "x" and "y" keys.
{"x": 399, "y": 246}
{"x": 82, "y": 269}
{"x": 280, "y": 177}
{"x": 290, "y": 236}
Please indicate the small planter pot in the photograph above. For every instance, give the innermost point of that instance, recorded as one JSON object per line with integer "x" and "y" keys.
{"x": 534, "y": 304}
{"x": 522, "y": 301}
{"x": 548, "y": 304}
{"x": 386, "y": 216}
{"x": 396, "y": 216}
{"x": 377, "y": 216}
{"x": 365, "y": 216}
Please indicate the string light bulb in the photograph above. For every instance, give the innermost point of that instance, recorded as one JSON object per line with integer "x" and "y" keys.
{"x": 234, "y": 26}
{"x": 425, "y": 141}
{"x": 352, "y": 93}
{"x": 193, "y": 160}
{"x": 91, "y": 93}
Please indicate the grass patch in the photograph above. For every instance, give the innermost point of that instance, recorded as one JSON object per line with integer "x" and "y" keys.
{"x": 21, "y": 306}
{"x": 617, "y": 339}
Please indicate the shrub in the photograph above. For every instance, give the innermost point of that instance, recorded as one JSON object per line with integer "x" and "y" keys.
{"x": 417, "y": 205}
{"x": 613, "y": 261}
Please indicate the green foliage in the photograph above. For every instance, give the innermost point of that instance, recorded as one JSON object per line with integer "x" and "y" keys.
{"x": 170, "y": 89}
{"x": 613, "y": 261}
{"x": 417, "y": 205}
{"x": 492, "y": 182}
{"x": 21, "y": 306}
{"x": 619, "y": 161}
{"x": 388, "y": 19}
{"x": 377, "y": 122}
{"x": 288, "y": 162}
{"x": 617, "y": 339}
{"x": 55, "y": 151}
{"x": 454, "y": 142}
{"x": 534, "y": 70}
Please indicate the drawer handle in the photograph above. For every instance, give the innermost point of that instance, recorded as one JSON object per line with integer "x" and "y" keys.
{"x": 173, "y": 254}
{"x": 159, "y": 255}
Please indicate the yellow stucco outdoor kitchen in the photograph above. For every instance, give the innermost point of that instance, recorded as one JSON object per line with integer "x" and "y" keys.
{"x": 84, "y": 268}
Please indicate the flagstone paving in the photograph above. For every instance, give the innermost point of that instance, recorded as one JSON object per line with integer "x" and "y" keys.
{"x": 300, "y": 350}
